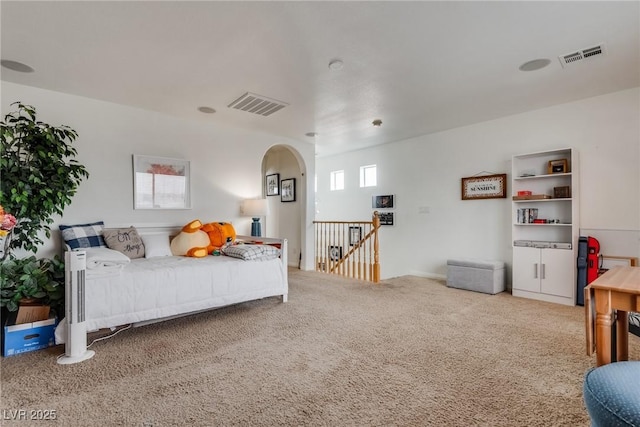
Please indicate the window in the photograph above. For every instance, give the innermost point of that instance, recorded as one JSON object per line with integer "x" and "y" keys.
{"x": 337, "y": 180}
{"x": 368, "y": 176}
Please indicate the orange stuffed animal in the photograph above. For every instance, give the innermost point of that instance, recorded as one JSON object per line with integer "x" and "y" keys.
{"x": 220, "y": 233}
{"x": 199, "y": 240}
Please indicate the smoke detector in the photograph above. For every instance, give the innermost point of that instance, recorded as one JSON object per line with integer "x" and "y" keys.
{"x": 581, "y": 55}
{"x": 257, "y": 104}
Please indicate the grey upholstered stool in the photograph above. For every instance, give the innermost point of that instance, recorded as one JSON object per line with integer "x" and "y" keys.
{"x": 612, "y": 394}
{"x": 476, "y": 275}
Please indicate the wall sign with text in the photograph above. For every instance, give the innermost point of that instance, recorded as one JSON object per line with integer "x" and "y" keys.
{"x": 485, "y": 187}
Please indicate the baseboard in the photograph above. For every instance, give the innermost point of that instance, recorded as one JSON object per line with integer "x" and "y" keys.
{"x": 428, "y": 275}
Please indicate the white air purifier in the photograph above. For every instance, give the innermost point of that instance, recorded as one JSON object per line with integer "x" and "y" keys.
{"x": 76, "y": 333}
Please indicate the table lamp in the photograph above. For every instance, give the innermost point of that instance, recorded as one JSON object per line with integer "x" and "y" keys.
{"x": 255, "y": 208}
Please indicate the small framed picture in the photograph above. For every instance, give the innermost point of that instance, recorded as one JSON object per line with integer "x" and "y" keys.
{"x": 335, "y": 253}
{"x": 273, "y": 184}
{"x": 558, "y": 166}
{"x": 563, "y": 192}
{"x": 355, "y": 235}
{"x": 288, "y": 190}
{"x": 386, "y": 218}
{"x": 382, "y": 202}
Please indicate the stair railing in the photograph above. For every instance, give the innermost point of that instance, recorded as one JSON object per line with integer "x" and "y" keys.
{"x": 348, "y": 248}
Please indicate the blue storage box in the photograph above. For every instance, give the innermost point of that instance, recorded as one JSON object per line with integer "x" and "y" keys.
{"x": 27, "y": 337}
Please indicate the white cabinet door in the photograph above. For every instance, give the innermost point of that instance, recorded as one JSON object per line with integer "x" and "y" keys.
{"x": 526, "y": 269}
{"x": 556, "y": 275}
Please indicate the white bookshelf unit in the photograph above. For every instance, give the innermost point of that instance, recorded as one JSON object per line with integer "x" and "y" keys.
{"x": 545, "y": 228}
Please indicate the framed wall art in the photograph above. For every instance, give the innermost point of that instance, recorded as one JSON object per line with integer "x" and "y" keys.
{"x": 161, "y": 183}
{"x": 355, "y": 235}
{"x": 558, "y": 166}
{"x": 485, "y": 187}
{"x": 288, "y": 190}
{"x": 386, "y": 218}
{"x": 335, "y": 253}
{"x": 382, "y": 202}
{"x": 272, "y": 183}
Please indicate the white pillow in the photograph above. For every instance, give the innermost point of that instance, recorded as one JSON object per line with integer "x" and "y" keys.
{"x": 156, "y": 245}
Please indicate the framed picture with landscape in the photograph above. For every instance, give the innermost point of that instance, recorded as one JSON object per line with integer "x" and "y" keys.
{"x": 161, "y": 183}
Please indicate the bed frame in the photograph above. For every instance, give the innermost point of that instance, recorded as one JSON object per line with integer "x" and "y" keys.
{"x": 74, "y": 329}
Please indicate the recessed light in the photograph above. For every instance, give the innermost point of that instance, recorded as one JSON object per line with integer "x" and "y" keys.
{"x": 336, "y": 65}
{"x": 206, "y": 110}
{"x": 16, "y": 66}
{"x": 536, "y": 64}
{"x": 311, "y": 134}
{"x": 377, "y": 123}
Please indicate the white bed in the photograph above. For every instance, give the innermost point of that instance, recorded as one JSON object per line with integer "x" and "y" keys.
{"x": 156, "y": 288}
{"x": 146, "y": 290}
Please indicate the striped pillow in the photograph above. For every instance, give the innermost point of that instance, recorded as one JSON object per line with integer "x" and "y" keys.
{"x": 83, "y": 235}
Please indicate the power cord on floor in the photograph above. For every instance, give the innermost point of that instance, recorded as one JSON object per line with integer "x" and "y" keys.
{"x": 110, "y": 335}
{"x": 129, "y": 326}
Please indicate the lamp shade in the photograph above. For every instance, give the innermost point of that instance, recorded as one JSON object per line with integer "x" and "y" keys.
{"x": 255, "y": 207}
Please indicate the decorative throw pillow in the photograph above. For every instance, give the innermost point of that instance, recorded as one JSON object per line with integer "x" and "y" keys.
{"x": 83, "y": 235}
{"x": 156, "y": 245}
{"x": 125, "y": 240}
{"x": 252, "y": 252}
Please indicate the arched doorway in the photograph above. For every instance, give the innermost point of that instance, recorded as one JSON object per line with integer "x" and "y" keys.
{"x": 286, "y": 217}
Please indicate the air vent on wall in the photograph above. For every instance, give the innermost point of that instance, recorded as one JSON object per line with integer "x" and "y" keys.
{"x": 581, "y": 55}
{"x": 257, "y": 104}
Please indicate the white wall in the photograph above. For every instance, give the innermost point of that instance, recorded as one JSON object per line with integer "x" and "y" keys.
{"x": 421, "y": 172}
{"x": 285, "y": 219}
{"x": 226, "y": 163}
{"x": 425, "y": 172}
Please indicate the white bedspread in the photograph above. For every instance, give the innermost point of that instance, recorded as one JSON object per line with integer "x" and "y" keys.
{"x": 160, "y": 287}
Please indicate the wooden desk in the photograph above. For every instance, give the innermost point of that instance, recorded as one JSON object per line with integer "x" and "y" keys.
{"x": 615, "y": 293}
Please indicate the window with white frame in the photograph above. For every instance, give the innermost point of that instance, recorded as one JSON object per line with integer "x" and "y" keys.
{"x": 368, "y": 176}
{"x": 337, "y": 180}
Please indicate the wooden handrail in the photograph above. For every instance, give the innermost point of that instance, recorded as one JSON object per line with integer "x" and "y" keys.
{"x": 361, "y": 261}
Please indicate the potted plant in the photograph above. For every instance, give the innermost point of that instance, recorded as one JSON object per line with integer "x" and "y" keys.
{"x": 39, "y": 178}
{"x": 32, "y": 278}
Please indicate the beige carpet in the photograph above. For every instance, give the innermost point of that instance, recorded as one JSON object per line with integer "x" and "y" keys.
{"x": 407, "y": 352}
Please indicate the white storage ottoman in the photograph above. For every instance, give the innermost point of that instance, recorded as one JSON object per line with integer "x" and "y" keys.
{"x": 476, "y": 275}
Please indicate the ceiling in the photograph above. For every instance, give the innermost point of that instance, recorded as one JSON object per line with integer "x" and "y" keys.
{"x": 420, "y": 67}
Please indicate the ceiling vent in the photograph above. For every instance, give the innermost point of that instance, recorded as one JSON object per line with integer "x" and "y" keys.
{"x": 581, "y": 55}
{"x": 257, "y": 104}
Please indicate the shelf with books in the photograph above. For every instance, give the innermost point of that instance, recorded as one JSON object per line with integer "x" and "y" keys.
{"x": 544, "y": 204}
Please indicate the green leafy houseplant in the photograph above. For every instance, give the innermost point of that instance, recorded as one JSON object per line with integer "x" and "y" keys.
{"x": 39, "y": 173}
{"x": 39, "y": 177}
{"x": 30, "y": 277}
